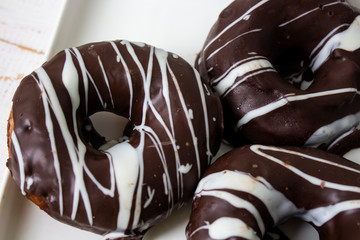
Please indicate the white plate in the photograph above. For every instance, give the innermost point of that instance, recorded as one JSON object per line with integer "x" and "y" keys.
{"x": 177, "y": 26}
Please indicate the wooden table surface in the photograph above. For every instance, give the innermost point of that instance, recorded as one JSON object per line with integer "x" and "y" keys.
{"x": 27, "y": 28}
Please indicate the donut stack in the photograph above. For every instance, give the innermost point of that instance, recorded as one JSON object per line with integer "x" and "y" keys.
{"x": 288, "y": 75}
{"x": 278, "y": 79}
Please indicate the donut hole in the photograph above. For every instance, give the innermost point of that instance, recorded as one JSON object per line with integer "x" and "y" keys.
{"x": 292, "y": 67}
{"x": 104, "y": 129}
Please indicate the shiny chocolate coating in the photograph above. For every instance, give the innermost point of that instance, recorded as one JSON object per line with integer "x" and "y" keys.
{"x": 118, "y": 190}
{"x": 287, "y": 71}
{"x": 251, "y": 189}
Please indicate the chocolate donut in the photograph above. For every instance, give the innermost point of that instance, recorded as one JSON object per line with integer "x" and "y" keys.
{"x": 251, "y": 189}
{"x": 175, "y": 127}
{"x": 288, "y": 72}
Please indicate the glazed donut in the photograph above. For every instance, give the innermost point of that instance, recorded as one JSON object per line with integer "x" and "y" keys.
{"x": 287, "y": 72}
{"x": 174, "y": 129}
{"x": 253, "y": 188}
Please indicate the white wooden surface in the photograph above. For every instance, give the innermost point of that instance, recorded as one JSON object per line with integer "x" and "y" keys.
{"x": 26, "y": 31}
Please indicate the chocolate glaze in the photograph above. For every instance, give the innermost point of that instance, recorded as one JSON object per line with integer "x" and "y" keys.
{"x": 175, "y": 126}
{"x": 253, "y": 188}
{"x": 288, "y": 72}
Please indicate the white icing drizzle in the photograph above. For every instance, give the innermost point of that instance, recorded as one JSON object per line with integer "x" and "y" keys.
{"x": 206, "y": 89}
{"x": 346, "y": 40}
{"x": 184, "y": 169}
{"x": 285, "y": 100}
{"x": 342, "y": 136}
{"x": 259, "y": 4}
{"x": 236, "y": 202}
{"x": 249, "y": 75}
{"x": 15, "y": 143}
{"x": 161, "y": 57}
{"x": 166, "y": 187}
{"x": 206, "y": 119}
{"x": 29, "y": 182}
{"x": 319, "y": 216}
{"x": 316, "y": 181}
{"x": 306, "y": 13}
{"x": 234, "y": 66}
{"x": 226, "y": 227}
{"x": 280, "y": 208}
{"x": 321, "y": 43}
{"x": 151, "y": 194}
{"x": 230, "y": 41}
{"x": 140, "y": 149}
{"x": 276, "y": 203}
{"x": 50, "y": 129}
{"x": 77, "y": 163}
{"x": 166, "y": 177}
{"x": 186, "y": 112}
{"x": 106, "y": 81}
{"x": 126, "y": 161}
{"x": 328, "y": 133}
{"x": 191, "y": 114}
{"x": 256, "y": 66}
{"x": 70, "y": 80}
{"x": 128, "y": 76}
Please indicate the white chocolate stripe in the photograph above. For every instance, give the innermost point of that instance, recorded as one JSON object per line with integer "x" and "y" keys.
{"x": 162, "y": 60}
{"x": 50, "y": 129}
{"x": 306, "y": 13}
{"x": 165, "y": 181}
{"x": 79, "y": 187}
{"x": 191, "y": 128}
{"x": 106, "y": 191}
{"x": 166, "y": 177}
{"x": 86, "y": 77}
{"x": 236, "y": 202}
{"x": 106, "y": 81}
{"x": 256, "y": 148}
{"x": 140, "y": 149}
{"x": 257, "y": 66}
{"x": 285, "y": 100}
{"x": 126, "y": 161}
{"x": 161, "y": 57}
{"x": 206, "y": 118}
{"x": 241, "y": 181}
{"x": 346, "y": 40}
{"x": 15, "y": 143}
{"x": 128, "y": 76}
{"x": 151, "y": 194}
{"x": 169, "y": 134}
{"x": 328, "y": 133}
{"x": 242, "y": 17}
{"x": 342, "y": 136}
{"x": 313, "y": 180}
{"x": 226, "y": 227}
{"x": 234, "y": 66}
{"x": 252, "y": 74}
{"x": 276, "y": 203}
{"x": 230, "y": 41}
{"x": 319, "y": 216}
{"x": 321, "y": 43}
{"x": 70, "y": 79}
